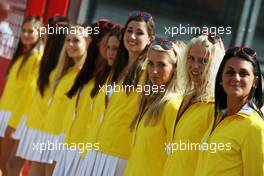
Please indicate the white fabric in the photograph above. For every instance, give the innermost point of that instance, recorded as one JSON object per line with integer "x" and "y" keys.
{"x": 20, "y": 130}
{"x": 36, "y": 145}
{"x": 67, "y": 163}
{"x": 100, "y": 164}
{"x": 4, "y": 118}
{"x": 6, "y": 40}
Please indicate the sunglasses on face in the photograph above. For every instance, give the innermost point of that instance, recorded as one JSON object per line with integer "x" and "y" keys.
{"x": 245, "y": 50}
{"x": 136, "y": 13}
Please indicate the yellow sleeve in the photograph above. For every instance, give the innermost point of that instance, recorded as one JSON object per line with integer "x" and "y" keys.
{"x": 27, "y": 93}
{"x": 253, "y": 151}
{"x": 171, "y": 111}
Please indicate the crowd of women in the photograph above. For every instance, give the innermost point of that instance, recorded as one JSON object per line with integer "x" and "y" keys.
{"x": 205, "y": 121}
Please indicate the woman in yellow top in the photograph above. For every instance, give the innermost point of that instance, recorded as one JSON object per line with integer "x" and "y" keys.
{"x": 203, "y": 57}
{"x": 20, "y": 84}
{"x": 234, "y": 145}
{"x": 116, "y": 104}
{"x": 82, "y": 105}
{"x": 47, "y": 64}
{"x": 157, "y": 110}
{"x": 70, "y": 62}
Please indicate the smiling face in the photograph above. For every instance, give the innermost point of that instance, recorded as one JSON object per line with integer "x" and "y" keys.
{"x": 112, "y": 48}
{"x": 197, "y": 60}
{"x": 160, "y": 67}
{"x": 136, "y": 36}
{"x": 29, "y": 34}
{"x": 76, "y": 46}
{"x": 238, "y": 78}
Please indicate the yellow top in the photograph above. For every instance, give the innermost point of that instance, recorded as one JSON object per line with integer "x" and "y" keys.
{"x": 81, "y": 115}
{"x": 39, "y": 106}
{"x": 110, "y": 125}
{"x": 56, "y": 115}
{"x": 235, "y": 146}
{"x": 19, "y": 89}
{"x": 16, "y": 83}
{"x": 187, "y": 136}
{"x": 148, "y": 155}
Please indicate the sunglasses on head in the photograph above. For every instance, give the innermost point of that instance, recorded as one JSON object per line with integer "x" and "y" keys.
{"x": 165, "y": 44}
{"x": 245, "y": 50}
{"x": 136, "y": 13}
{"x": 117, "y": 27}
{"x": 213, "y": 38}
{"x": 103, "y": 20}
{"x": 104, "y": 24}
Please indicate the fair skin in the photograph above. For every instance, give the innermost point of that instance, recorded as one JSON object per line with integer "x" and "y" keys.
{"x": 112, "y": 48}
{"x": 135, "y": 39}
{"x": 197, "y": 60}
{"x": 160, "y": 68}
{"x": 237, "y": 80}
{"x": 102, "y": 55}
{"x": 103, "y": 46}
{"x": 29, "y": 35}
{"x": 76, "y": 46}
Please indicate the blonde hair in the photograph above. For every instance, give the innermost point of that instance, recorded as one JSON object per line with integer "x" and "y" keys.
{"x": 215, "y": 54}
{"x": 65, "y": 62}
{"x": 157, "y": 100}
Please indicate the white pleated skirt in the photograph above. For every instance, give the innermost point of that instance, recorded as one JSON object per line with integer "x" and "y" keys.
{"x": 67, "y": 163}
{"x": 39, "y": 146}
{"x": 4, "y": 118}
{"x": 99, "y": 164}
{"x": 20, "y": 130}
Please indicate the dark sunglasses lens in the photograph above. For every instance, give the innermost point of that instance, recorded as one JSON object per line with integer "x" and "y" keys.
{"x": 133, "y": 14}
{"x": 249, "y": 51}
{"x": 147, "y": 16}
{"x": 164, "y": 44}
{"x": 214, "y": 39}
{"x": 167, "y": 45}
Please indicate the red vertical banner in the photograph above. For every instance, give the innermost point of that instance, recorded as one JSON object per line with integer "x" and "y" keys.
{"x": 35, "y": 7}
{"x": 57, "y": 7}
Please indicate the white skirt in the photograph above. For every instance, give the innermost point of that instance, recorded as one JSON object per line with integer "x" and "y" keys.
{"x": 21, "y": 129}
{"x": 4, "y": 118}
{"x": 67, "y": 163}
{"x": 100, "y": 164}
{"x": 39, "y": 146}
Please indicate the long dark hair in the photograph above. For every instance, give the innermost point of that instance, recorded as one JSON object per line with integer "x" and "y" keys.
{"x": 20, "y": 48}
{"x": 102, "y": 75}
{"x": 89, "y": 67}
{"x": 52, "y": 51}
{"x": 255, "y": 97}
{"x": 132, "y": 78}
